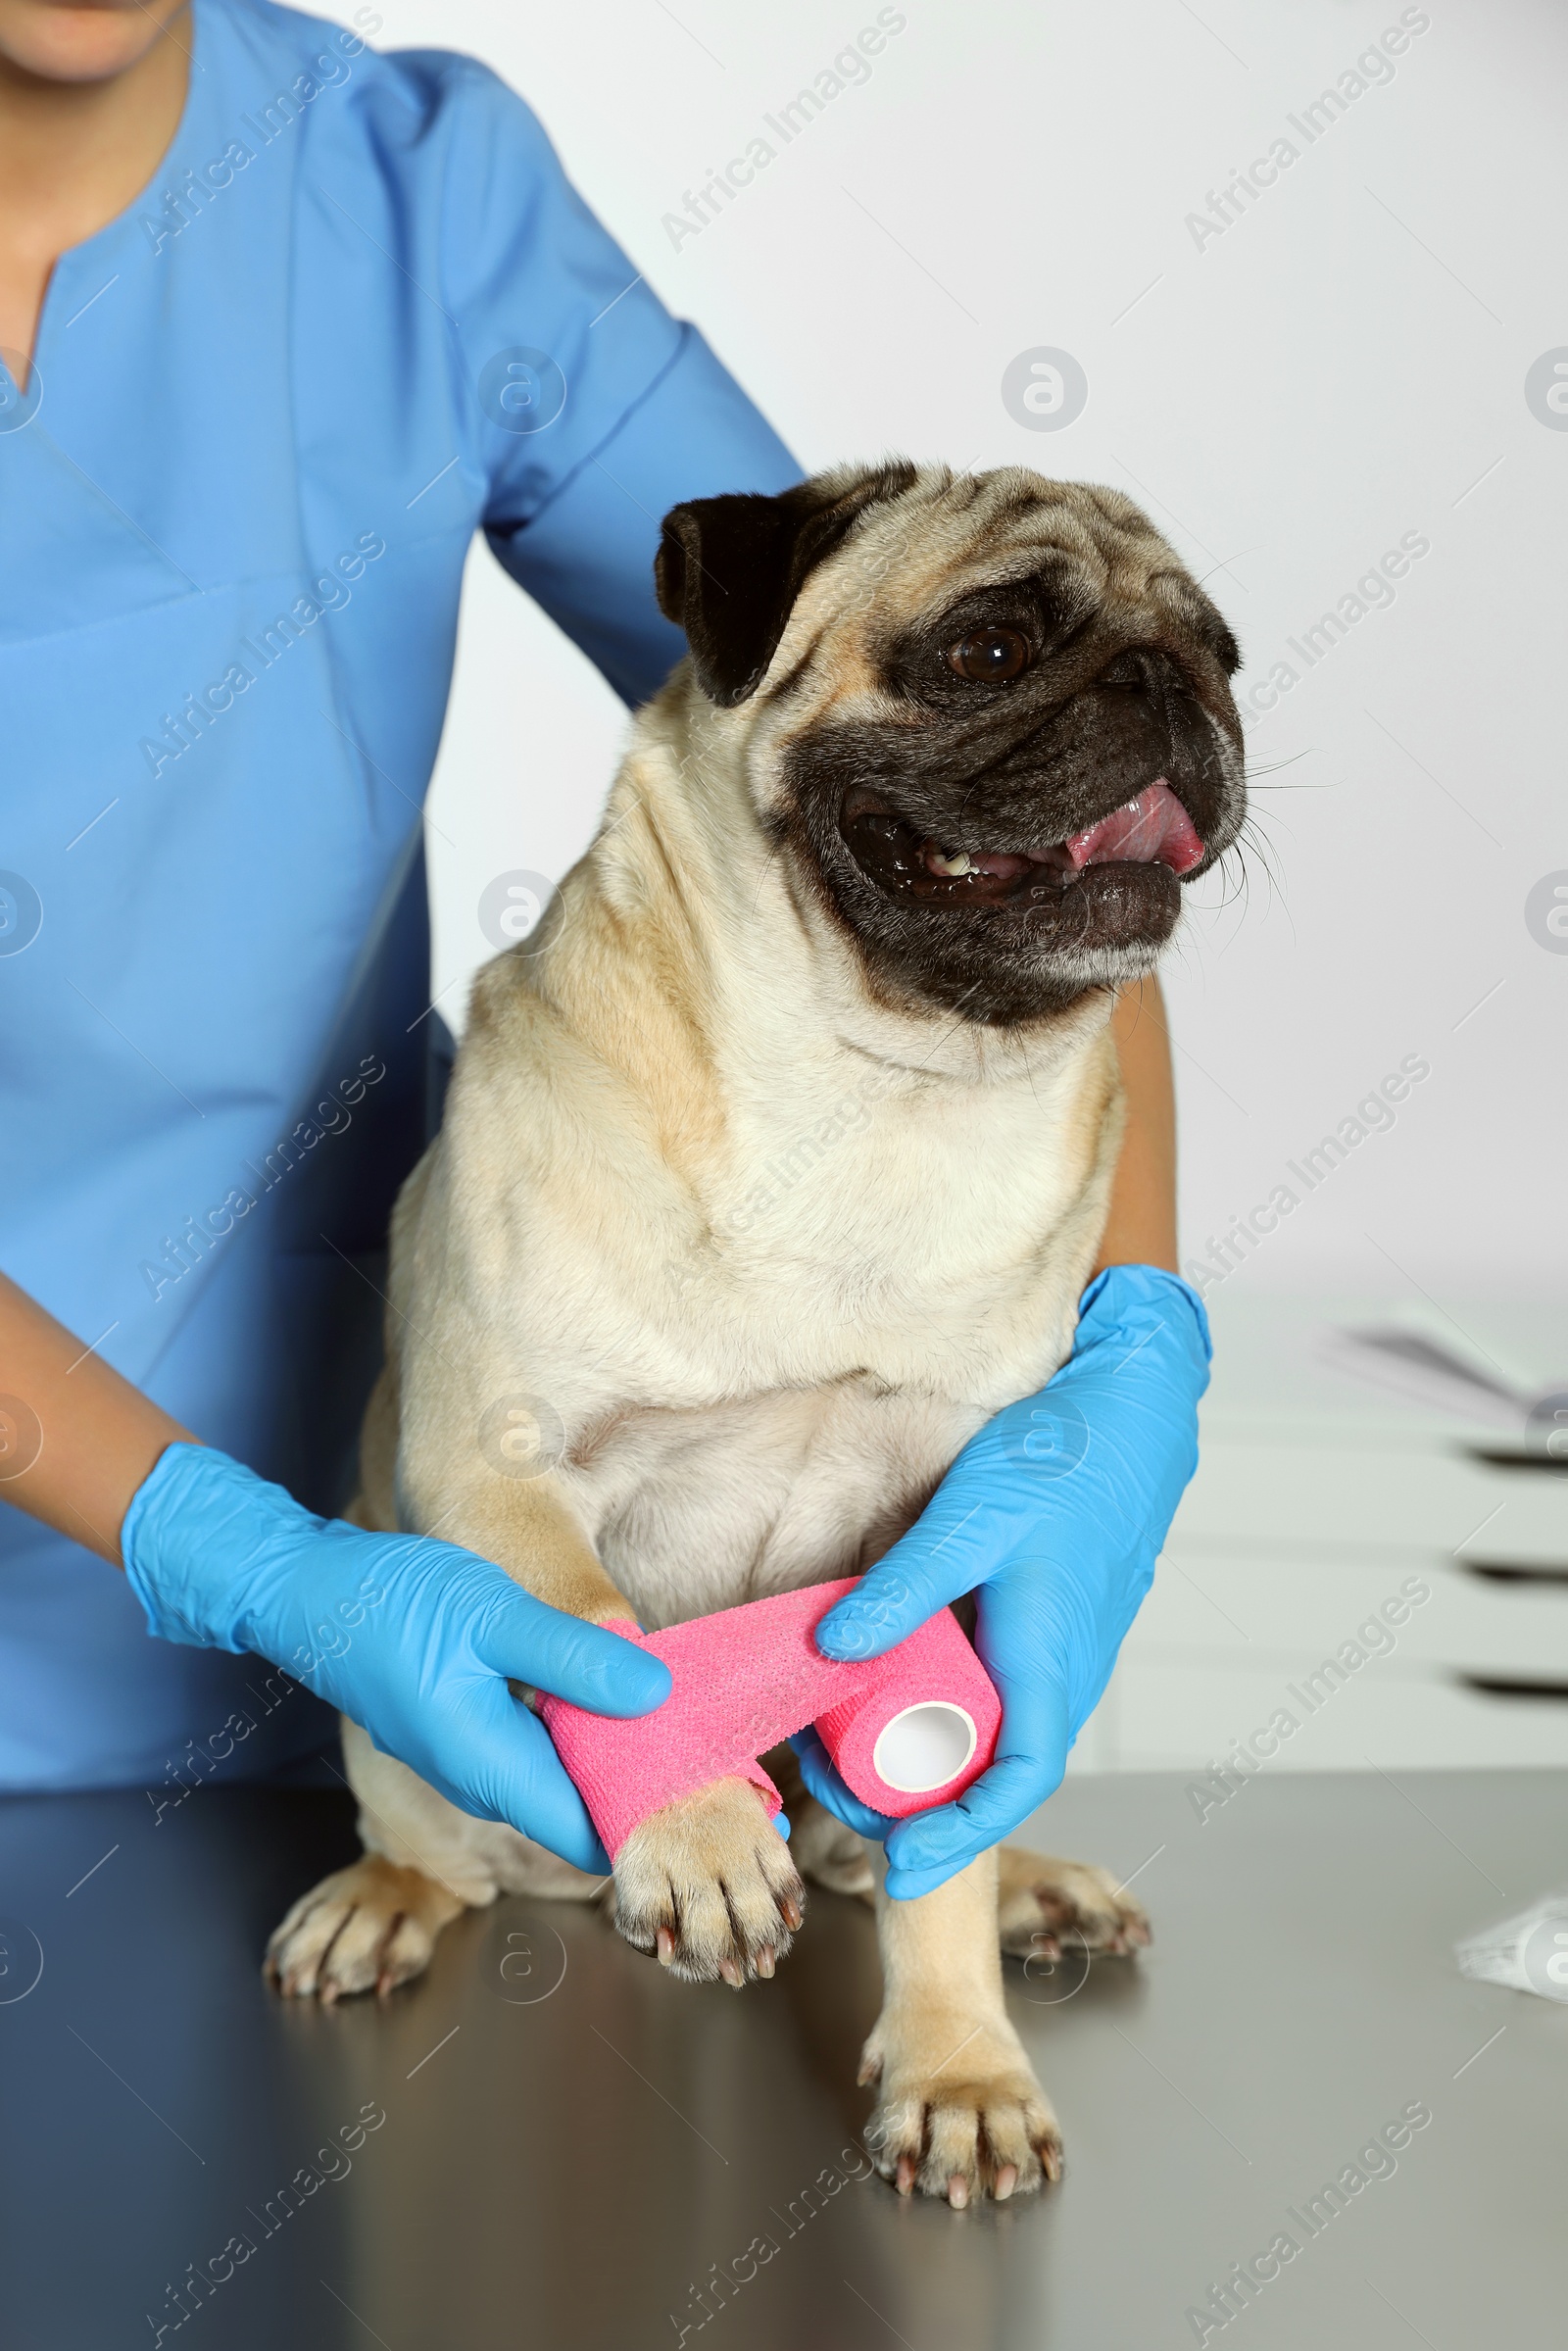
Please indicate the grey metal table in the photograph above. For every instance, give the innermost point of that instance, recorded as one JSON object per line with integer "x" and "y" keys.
{"x": 573, "y": 2147}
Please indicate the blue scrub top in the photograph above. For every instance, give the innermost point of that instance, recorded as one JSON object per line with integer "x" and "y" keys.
{"x": 358, "y": 314}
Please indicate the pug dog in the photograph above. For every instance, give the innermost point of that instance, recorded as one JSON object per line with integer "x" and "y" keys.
{"x": 774, "y": 1162}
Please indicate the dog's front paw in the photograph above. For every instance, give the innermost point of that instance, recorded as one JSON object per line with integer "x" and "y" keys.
{"x": 1043, "y": 1904}
{"x": 708, "y": 1885}
{"x": 959, "y": 2111}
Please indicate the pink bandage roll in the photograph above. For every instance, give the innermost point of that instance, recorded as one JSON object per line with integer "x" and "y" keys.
{"x": 906, "y": 1730}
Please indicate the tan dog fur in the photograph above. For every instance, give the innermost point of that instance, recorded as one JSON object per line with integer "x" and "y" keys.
{"x": 763, "y": 1349}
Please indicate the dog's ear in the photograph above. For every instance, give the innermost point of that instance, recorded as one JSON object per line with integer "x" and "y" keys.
{"x": 728, "y": 569}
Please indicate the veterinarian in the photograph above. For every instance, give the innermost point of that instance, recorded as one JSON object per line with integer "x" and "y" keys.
{"x": 284, "y": 321}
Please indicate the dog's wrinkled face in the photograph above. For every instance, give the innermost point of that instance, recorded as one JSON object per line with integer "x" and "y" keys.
{"x": 988, "y": 718}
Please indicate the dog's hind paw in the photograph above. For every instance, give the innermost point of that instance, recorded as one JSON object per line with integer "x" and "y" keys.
{"x": 706, "y": 1886}
{"x": 1045, "y": 1905}
{"x": 367, "y": 1928}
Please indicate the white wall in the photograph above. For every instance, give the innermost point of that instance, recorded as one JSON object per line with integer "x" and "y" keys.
{"x": 1343, "y": 365}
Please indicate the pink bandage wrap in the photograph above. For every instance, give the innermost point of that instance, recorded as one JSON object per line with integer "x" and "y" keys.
{"x": 906, "y": 1730}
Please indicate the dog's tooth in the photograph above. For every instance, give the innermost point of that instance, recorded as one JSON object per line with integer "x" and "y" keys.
{"x": 939, "y": 862}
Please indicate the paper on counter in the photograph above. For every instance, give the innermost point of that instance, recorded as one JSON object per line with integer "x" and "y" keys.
{"x": 1528, "y": 1952}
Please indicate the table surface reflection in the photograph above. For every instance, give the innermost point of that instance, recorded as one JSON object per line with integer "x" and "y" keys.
{"x": 549, "y": 2144}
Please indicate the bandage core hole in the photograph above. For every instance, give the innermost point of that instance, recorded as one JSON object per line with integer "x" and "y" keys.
{"x": 924, "y": 1748}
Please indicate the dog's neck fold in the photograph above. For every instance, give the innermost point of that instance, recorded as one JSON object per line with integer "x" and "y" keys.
{"x": 697, "y": 879}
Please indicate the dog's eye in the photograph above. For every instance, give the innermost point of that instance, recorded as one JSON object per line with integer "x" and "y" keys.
{"x": 990, "y": 656}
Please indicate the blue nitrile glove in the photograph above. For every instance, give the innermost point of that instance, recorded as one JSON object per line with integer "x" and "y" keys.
{"x": 1053, "y": 1515}
{"x": 412, "y": 1638}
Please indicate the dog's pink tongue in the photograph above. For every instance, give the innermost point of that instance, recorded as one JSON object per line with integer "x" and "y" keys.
{"x": 1153, "y": 825}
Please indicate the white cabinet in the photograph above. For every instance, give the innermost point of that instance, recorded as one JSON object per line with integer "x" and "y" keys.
{"x": 1321, "y": 1509}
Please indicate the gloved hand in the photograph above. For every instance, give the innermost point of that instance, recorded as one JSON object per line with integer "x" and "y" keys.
{"x": 1053, "y": 1515}
{"x": 412, "y": 1638}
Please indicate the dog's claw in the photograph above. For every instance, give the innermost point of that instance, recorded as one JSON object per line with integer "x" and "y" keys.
{"x": 1006, "y": 2182}
{"x": 730, "y": 1970}
{"x": 764, "y": 1960}
{"x": 665, "y": 1944}
{"x": 957, "y": 2191}
{"x": 791, "y": 1912}
{"x": 906, "y": 2172}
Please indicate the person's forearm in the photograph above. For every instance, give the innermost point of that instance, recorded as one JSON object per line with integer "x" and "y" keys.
{"x": 93, "y": 1435}
{"x": 1141, "y": 1228}
{"x": 220, "y": 1559}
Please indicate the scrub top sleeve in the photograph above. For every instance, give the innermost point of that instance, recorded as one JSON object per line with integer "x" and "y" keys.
{"x": 588, "y": 558}
{"x": 587, "y": 409}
